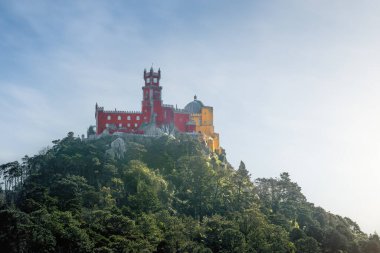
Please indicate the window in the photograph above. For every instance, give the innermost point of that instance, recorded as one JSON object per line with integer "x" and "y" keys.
{"x": 109, "y": 117}
{"x": 137, "y": 117}
{"x": 128, "y": 125}
{"x": 135, "y": 124}
{"x": 129, "y": 118}
{"x": 120, "y": 125}
{"x": 107, "y": 125}
{"x": 155, "y": 80}
{"x": 118, "y": 117}
{"x": 148, "y": 80}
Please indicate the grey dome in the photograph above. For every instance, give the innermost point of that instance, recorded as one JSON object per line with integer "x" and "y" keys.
{"x": 194, "y": 106}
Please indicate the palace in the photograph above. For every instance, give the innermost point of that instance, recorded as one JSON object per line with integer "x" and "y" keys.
{"x": 194, "y": 118}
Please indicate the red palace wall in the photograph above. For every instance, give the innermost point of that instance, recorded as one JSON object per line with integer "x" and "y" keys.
{"x": 158, "y": 111}
{"x": 128, "y": 122}
{"x": 190, "y": 128}
{"x": 180, "y": 120}
{"x": 168, "y": 114}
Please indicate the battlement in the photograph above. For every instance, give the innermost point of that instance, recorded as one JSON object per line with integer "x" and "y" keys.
{"x": 152, "y": 74}
{"x": 180, "y": 111}
{"x": 126, "y": 112}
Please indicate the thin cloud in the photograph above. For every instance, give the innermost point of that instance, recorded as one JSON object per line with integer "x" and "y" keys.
{"x": 294, "y": 85}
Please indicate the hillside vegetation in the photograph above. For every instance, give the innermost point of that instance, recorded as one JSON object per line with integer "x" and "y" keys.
{"x": 162, "y": 195}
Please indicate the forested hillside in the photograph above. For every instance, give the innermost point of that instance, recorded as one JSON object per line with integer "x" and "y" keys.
{"x": 159, "y": 195}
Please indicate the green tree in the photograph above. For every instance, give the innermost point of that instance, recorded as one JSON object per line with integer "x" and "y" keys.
{"x": 307, "y": 245}
{"x": 245, "y": 195}
{"x": 167, "y": 194}
{"x": 232, "y": 241}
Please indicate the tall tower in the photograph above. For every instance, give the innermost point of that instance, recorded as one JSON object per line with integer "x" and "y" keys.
{"x": 152, "y": 102}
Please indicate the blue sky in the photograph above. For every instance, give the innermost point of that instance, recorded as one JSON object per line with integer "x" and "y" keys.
{"x": 294, "y": 84}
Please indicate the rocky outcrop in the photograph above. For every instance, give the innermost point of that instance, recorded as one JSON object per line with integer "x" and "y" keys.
{"x": 118, "y": 148}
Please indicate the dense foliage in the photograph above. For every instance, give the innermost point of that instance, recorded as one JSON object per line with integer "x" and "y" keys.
{"x": 162, "y": 195}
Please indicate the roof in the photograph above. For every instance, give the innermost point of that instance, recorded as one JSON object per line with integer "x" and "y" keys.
{"x": 194, "y": 106}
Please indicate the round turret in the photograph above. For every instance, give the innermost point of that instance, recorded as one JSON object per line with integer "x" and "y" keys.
{"x": 194, "y": 106}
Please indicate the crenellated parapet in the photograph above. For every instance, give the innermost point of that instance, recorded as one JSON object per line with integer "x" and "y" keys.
{"x": 125, "y": 112}
{"x": 177, "y": 110}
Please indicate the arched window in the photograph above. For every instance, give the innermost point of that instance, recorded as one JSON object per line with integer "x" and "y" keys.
{"x": 135, "y": 124}
{"x": 129, "y": 117}
{"x": 137, "y": 117}
{"x": 128, "y": 125}
{"x": 109, "y": 117}
{"x": 120, "y": 125}
{"x": 118, "y": 117}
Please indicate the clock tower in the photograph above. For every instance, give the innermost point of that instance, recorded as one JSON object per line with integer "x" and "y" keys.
{"x": 152, "y": 101}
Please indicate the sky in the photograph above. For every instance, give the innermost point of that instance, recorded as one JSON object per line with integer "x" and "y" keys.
{"x": 294, "y": 84}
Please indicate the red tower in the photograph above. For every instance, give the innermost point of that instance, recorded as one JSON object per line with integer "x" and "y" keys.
{"x": 152, "y": 103}
{"x": 152, "y": 108}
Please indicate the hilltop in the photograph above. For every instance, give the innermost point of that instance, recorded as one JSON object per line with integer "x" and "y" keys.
{"x": 166, "y": 194}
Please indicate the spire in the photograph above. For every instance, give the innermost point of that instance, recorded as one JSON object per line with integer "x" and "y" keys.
{"x": 195, "y": 97}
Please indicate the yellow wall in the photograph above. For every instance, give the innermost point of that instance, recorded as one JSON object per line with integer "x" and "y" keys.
{"x": 204, "y": 123}
{"x": 207, "y": 116}
{"x": 196, "y": 118}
